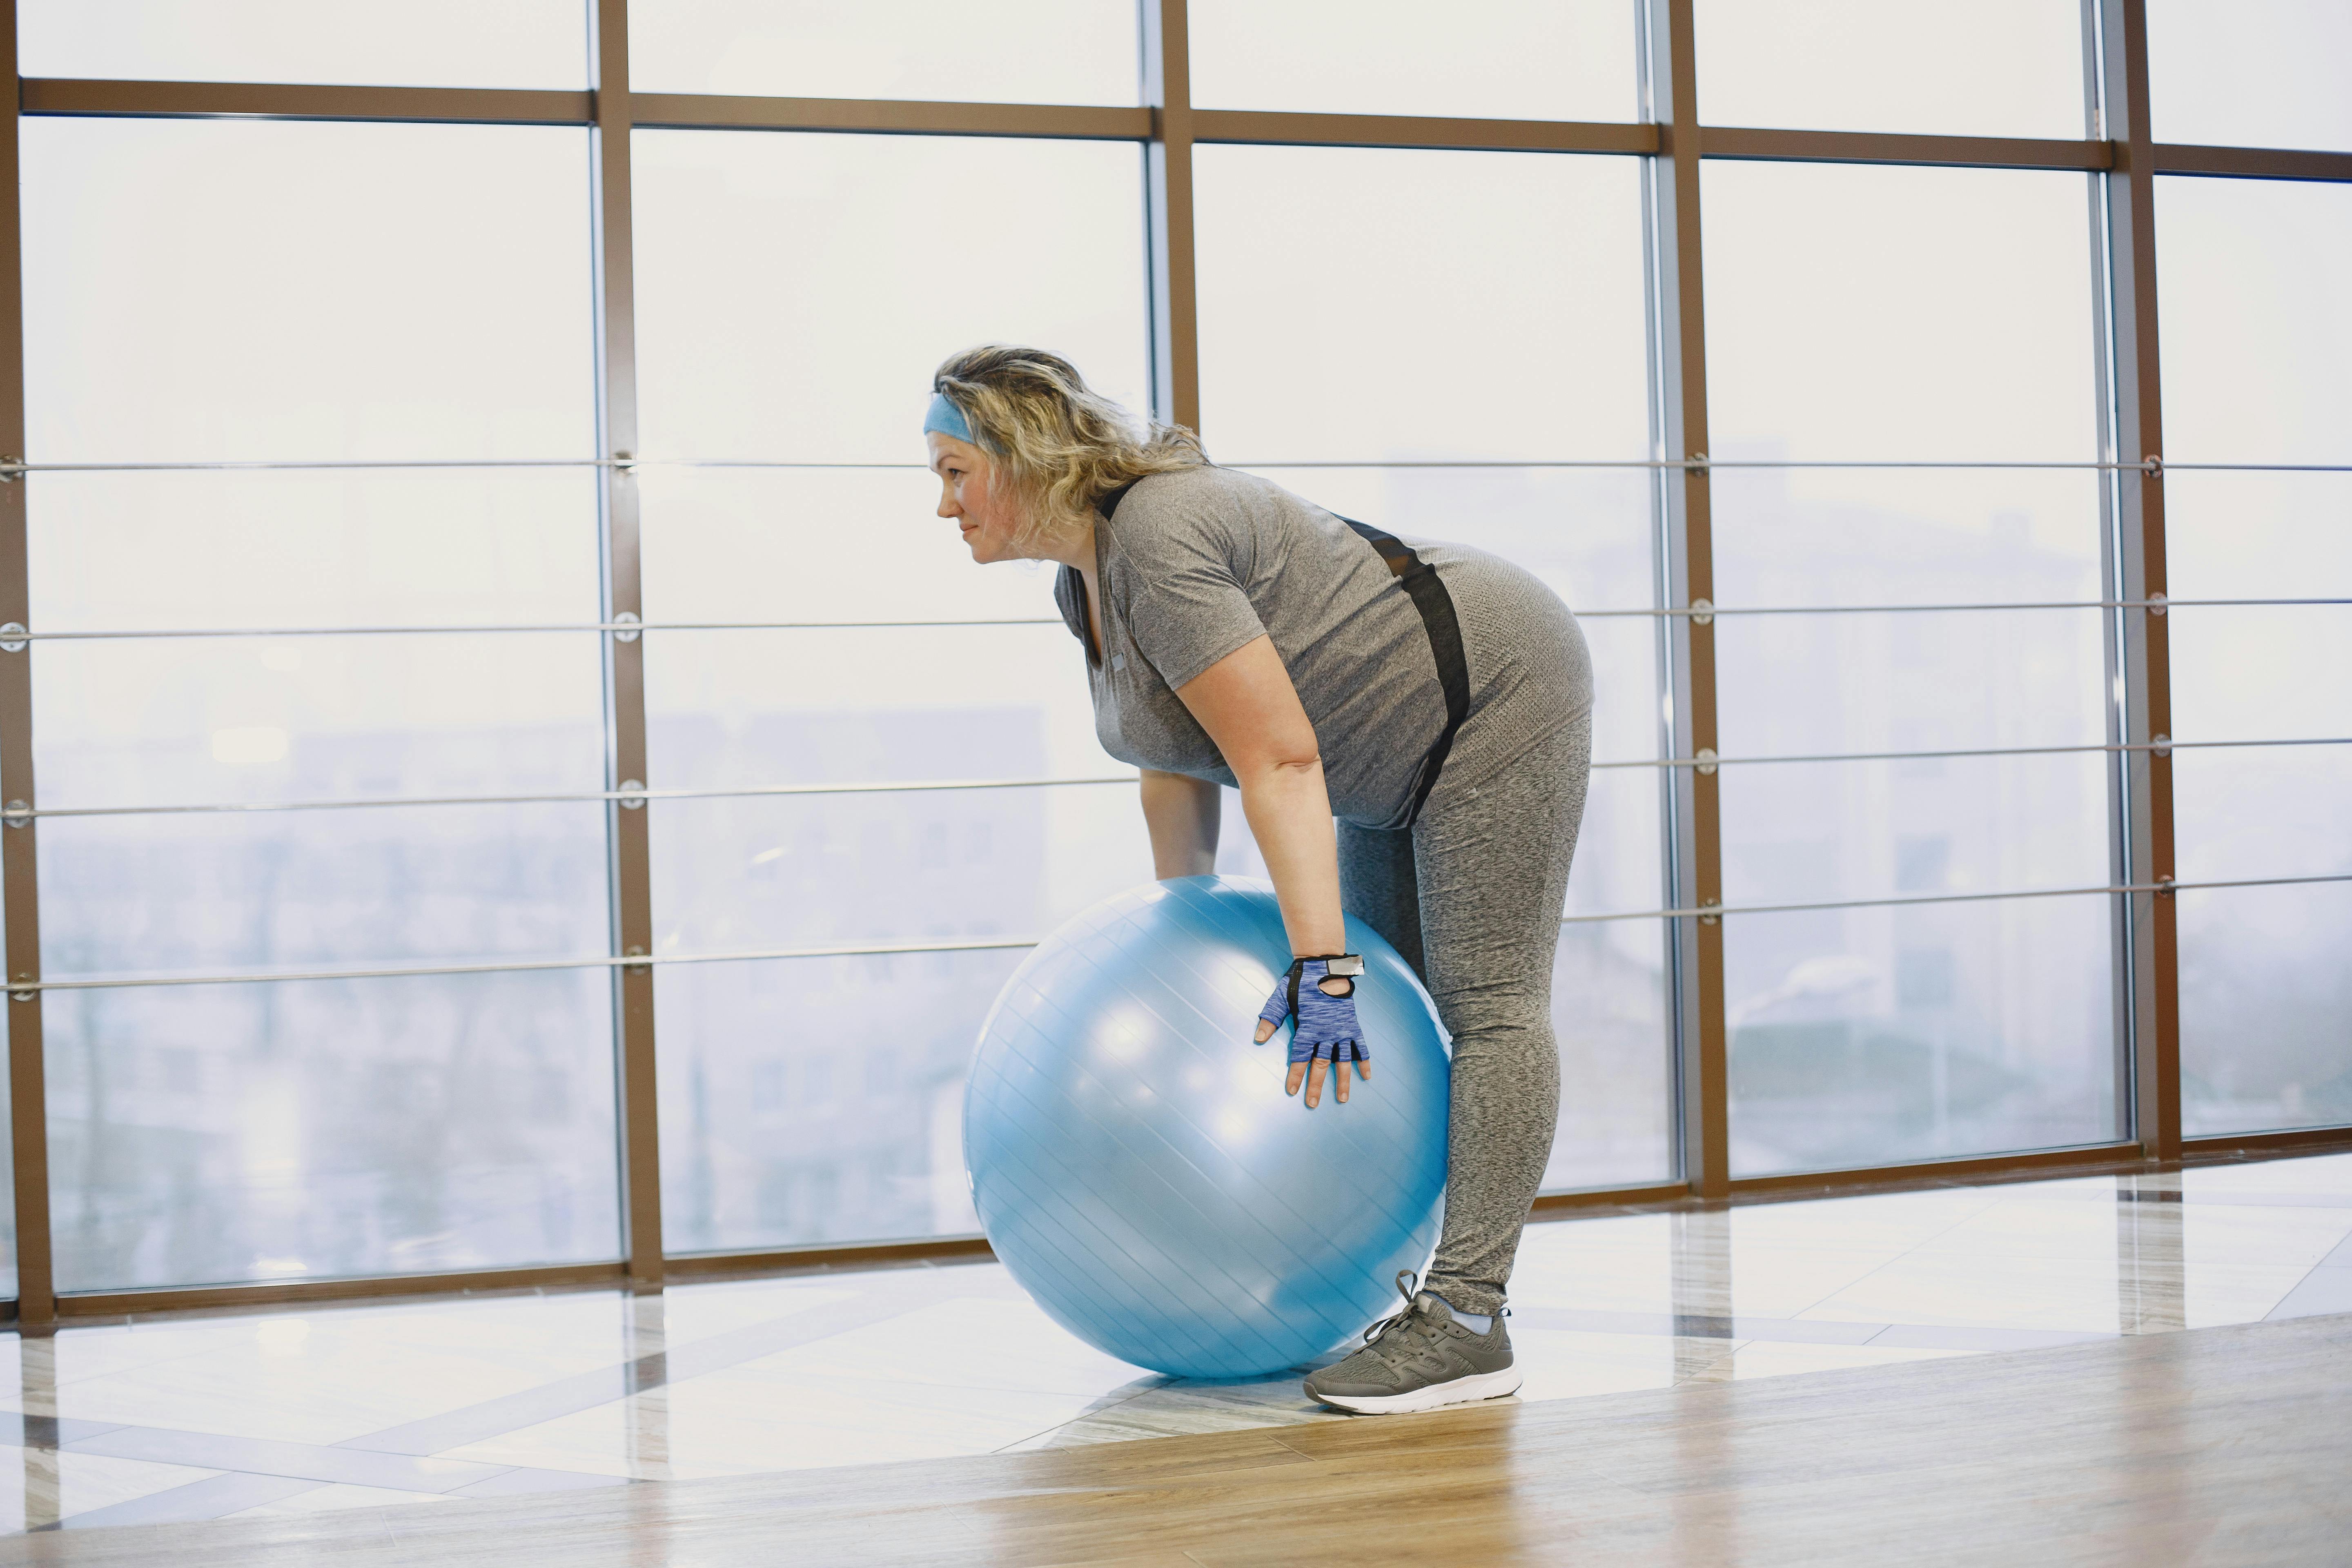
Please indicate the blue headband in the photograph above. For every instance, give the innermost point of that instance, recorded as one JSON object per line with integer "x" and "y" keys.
{"x": 948, "y": 420}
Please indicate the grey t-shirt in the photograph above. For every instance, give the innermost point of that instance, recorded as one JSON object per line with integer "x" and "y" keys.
{"x": 1200, "y": 562}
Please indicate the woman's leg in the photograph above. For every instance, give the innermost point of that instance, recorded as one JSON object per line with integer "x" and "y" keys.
{"x": 1491, "y": 864}
{"x": 1377, "y": 886}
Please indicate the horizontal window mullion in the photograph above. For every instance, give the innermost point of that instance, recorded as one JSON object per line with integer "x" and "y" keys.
{"x": 129, "y": 99}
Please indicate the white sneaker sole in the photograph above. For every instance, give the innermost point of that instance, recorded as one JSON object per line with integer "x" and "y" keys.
{"x": 1467, "y": 1390}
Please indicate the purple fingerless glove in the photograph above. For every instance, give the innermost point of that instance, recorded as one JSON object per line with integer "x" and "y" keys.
{"x": 1327, "y": 1024}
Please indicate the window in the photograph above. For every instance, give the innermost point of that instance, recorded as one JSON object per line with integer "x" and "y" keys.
{"x": 429, "y": 43}
{"x": 1861, "y": 314}
{"x": 196, "y": 293}
{"x": 1518, "y": 60}
{"x": 2255, "y": 332}
{"x": 825, "y": 254}
{"x": 1033, "y": 51}
{"x": 2252, "y": 73}
{"x": 1991, "y": 67}
{"x": 1365, "y": 312}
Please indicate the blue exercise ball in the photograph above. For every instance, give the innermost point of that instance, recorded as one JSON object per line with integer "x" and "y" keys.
{"x": 1139, "y": 1168}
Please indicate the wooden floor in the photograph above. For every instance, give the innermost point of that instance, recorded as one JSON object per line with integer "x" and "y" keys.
{"x": 2217, "y": 1446}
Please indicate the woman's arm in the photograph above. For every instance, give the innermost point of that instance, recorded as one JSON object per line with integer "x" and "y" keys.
{"x": 1249, "y": 708}
{"x": 1182, "y": 814}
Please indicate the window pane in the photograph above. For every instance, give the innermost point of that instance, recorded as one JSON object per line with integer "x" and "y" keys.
{"x": 2261, "y": 1042}
{"x": 1519, "y": 277}
{"x": 325, "y": 1128}
{"x": 2255, "y": 335}
{"x": 1349, "y": 297}
{"x": 1863, "y": 315}
{"x": 1883, "y": 313}
{"x": 1995, "y": 68}
{"x": 2256, "y": 323}
{"x": 205, "y": 291}
{"x": 1033, "y": 51}
{"x": 1806, "y": 832}
{"x": 826, "y": 254}
{"x": 418, "y": 43}
{"x": 1508, "y": 59}
{"x": 1880, "y": 1035}
{"x": 217, "y": 289}
{"x": 821, "y": 1099}
{"x": 2263, "y": 996}
{"x": 2254, "y": 73}
{"x": 823, "y": 254}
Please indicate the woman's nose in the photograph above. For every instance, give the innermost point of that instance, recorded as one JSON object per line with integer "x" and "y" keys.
{"x": 948, "y": 507}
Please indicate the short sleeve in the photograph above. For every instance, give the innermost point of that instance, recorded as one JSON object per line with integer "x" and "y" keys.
{"x": 1187, "y": 608}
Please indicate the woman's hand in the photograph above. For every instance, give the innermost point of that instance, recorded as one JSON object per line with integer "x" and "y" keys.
{"x": 1327, "y": 1030}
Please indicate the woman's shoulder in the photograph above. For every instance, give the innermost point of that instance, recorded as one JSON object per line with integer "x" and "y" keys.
{"x": 1202, "y": 482}
{"x": 1203, "y": 501}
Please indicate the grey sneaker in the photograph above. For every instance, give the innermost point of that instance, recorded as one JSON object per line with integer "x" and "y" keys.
{"x": 1419, "y": 1359}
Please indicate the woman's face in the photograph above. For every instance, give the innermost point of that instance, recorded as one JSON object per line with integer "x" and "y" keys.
{"x": 967, "y": 495}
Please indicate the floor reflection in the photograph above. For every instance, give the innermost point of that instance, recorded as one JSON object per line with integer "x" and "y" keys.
{"x": 2151, "y": 1295}
{"x": 44, "y": 1490}
{"x": 426, "y": 1402}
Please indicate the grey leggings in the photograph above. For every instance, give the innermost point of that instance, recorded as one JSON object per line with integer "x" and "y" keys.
{"x": 1471, "y": 895}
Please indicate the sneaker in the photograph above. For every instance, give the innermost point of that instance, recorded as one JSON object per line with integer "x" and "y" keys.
{"x": 1419, "y": 1359}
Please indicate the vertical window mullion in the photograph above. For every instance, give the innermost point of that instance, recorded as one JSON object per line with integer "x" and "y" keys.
{"x": 624, "y": 656}
{"x": 1703, "y": 1057}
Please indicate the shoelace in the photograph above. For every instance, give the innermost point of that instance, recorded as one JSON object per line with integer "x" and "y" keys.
{"x": 1405, "y": 1335}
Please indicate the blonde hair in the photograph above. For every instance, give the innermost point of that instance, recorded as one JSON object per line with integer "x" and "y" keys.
{"x": 1060, "y": 446}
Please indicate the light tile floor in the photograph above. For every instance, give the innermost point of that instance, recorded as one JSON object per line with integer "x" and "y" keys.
{"x": 352, "y": 1408}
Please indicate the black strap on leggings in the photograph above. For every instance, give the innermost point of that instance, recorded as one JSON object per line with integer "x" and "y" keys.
{"x": 1436, "y": 606}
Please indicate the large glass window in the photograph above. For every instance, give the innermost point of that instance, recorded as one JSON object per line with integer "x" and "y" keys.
{"x": 1031, "y": 52}
{"x": 205, "y": 292}
{"x": 1514, "y": 59}
{"x": 2266, "y": 73}
{"x": 794, "y": 294}
{"x": 1368, "y": 314}
{"x": 2256, "y": 333}
{"x": 421, "y": 43}
{"x": 1991, "y": 67}
{"x": 338, "y": 389}
{"x": 1862, "y": 315}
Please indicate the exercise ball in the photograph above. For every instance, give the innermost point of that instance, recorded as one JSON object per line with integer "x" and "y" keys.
{"x": 1139, "y": 1168}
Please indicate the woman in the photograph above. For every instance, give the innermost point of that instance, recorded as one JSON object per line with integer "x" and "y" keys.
{"x": 1436, "y": 700}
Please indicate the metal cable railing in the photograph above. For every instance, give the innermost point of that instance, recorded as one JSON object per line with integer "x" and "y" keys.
{"x": 2155, "y": 467}
{"x": 15, "y": 636}
{"x": 16, "y": 814}
{"x": 26, "y": 990}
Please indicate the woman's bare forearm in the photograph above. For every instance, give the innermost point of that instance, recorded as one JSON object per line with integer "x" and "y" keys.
{"x": 1289, "y": 813}
{"x": 1182, "y": 815}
